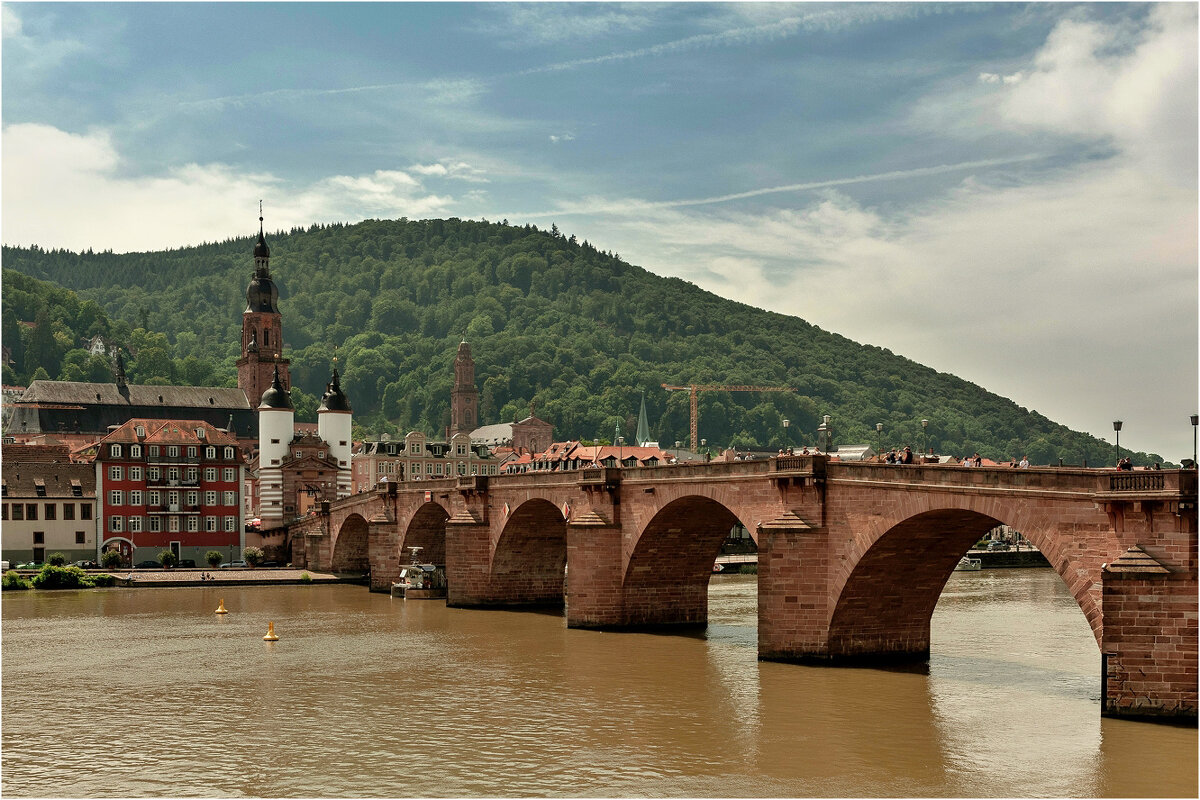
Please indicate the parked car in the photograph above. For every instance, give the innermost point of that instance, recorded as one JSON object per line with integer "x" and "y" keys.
{"x": 997, "y": 545}
{"x": 233, "y": 565}
{"x": 269, "y": 564}
{"x": 4, "y": 566}
{"x": 87, "y": 564}
{"x": 187, "y": 562}
{"x": 30, "y": 565}
{"x": 147, "y": 565}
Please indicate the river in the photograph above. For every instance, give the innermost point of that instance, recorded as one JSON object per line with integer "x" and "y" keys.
{"x": 147, "y": 692}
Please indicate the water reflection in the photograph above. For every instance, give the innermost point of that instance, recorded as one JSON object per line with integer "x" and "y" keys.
{"x": 147, "y": 692}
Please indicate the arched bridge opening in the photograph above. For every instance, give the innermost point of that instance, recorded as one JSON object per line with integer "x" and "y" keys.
{"x": 666, "y": 579}
{"x": 351, "y": 548}
{"x": 530, "y": 558}
{"x": 427, "y": 531}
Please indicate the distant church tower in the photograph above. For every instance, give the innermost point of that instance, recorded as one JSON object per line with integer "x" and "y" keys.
{"x": 464, "y": 397}
{"x": 262, "y": 328}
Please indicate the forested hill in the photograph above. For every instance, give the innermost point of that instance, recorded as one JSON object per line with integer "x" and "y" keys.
{"x": 552, "y": 322}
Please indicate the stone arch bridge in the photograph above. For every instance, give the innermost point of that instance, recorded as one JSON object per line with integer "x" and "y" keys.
{"x": 852, "y": 556}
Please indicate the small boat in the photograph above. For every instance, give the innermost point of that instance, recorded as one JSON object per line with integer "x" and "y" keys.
{"x": 420, "y": 582}
{"x": 718, "y": 567}
{"x": 968, "y": 565}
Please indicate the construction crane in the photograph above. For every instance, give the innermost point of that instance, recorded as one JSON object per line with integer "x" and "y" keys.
{"x": 693, "y": 388}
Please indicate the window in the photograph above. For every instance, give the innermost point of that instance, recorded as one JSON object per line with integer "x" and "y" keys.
{"x": 230, "y": 499}
{"x": 114, "y": 450}
{"x": 85, "y": 510}
{"x": 200, "y": 434}
{"x": 192, "y": 474}
{"x": 193, "y": 524}
{"x": 135, "y": 473}
{"x": 18, "y": 511}
{"x": 173, "y": 524}
{"x": 210, "y": 498}
{"x": 39, "y": 537}
{"x": 135, "y": 451}
{"x": 116, "y": 473}
{"x": 210, "y": 452}
{"x": 154, "y": 451}
{"x": 193, "y": 498}
{"x": 230, "y": 474}
{"x": 135, "y": 524}
{"x": 210, "y": 474}
{"x": 191, "y": 452}
{"x": 135, "y": 497}
{"x": 31, "y": 511}
{"x": 51, "y": 511}
{"x": 39, "y": 487}
{"x": 76, "y": 489}
{"x": 154, "y": 474}
{"x": 297, "y": 453}
{"x": 210, "y": 524}
{"x": 173, "y": 475}
{"x": 429, "y": 468}
{"x": 172, "y": 451}
{"x": 139, "y": 431}
{"x": 460, "y": 449}
{"x": 154, "y": 497}
{"x": 439, "y": 469}
{"x": 229, "y": 453}
{"x": 230, "y": 524}
{"x": 4, "y": 511}
{"x": 156, "y": 525}
{"x": 116, "y": 498}
{"x": 116, "y": 524}
{"x": 382, "y": 467}
{"x": 68, "y": 511}
{"x": 173, "y": 498}
{"x": 80, "y": 537}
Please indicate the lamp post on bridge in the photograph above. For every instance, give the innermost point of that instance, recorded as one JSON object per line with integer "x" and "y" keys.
{"x": 1195, "y": 422}
{"x": 879, "y": 437}
{"x": 924, "y": 438}
{"x": 786, "y": 439}
{"x": 621, "y": 452}
{"x": 1117, "y": 429}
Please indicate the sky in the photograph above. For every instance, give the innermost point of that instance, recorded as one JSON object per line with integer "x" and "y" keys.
{"x": 1003, "y": 192}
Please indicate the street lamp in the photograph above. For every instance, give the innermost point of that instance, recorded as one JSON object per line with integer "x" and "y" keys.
{"x": 1117, "y": 429}
{"x": 924, "y": 437}
{"x": 879, "y": 436}
{"x": 1195, "y": 422}
{"x": 620, "y": 451}
{"x": 786, "y": 439}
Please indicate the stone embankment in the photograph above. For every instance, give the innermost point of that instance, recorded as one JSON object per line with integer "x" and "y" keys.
{"x": 220, "y": 577}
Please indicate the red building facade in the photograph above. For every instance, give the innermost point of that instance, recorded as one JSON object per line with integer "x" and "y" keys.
{"x": 170, "y": 485}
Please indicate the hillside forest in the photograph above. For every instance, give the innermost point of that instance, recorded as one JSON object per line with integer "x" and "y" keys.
{"x": 555, "y": 325}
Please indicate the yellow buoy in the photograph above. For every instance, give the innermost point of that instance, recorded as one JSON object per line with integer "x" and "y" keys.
{"x": 221, "y": 609}
{"x": 270, "y": 637}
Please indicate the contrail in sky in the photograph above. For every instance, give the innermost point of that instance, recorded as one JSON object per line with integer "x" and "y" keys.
{"x": 639, "y": 205}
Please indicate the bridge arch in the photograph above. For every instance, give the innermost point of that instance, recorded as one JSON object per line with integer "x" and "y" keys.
{"x": 530, "y": 556}
{"x": 351, "y": 547}
{"x": 427, "y": 530}
{"x": 885, "y": 597}
{"x": 666, "y": 578}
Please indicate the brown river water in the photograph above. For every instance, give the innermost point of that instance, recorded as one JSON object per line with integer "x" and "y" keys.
{"x": 147, "y": 692}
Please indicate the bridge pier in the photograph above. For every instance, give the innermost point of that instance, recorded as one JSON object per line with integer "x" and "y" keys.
{"x": 594, "y": 573}
{"x": 793, "y": 594}
{"x": 468, "y": 561}
{"x": 1149, "y": 644}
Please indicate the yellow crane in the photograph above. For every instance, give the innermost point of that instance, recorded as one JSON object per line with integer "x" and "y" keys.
{"x": 693, "y": 388}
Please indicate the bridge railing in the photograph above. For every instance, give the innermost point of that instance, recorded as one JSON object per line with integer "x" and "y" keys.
{"x": 1136, "y": 482}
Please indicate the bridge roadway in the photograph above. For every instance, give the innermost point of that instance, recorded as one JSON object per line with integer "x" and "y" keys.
{"x": 852, "y": 556}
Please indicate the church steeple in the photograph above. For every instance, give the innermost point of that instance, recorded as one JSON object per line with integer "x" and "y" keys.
{"x": 262, "y": 327}
{"x": 464, "y": 397}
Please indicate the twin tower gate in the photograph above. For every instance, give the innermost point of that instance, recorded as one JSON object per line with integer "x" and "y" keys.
{"x": 852, "y": 557}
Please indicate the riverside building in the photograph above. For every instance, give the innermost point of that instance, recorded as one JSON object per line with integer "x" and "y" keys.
{"x": 169, "y": 485}
{"x": 48, "y": 505}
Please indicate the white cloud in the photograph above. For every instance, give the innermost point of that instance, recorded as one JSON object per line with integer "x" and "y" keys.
{"x": 457, "y": 170}
{"x": 51, "y": 176}
{"x": 562, "y": 137}
{"x": 10, "y": 23}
